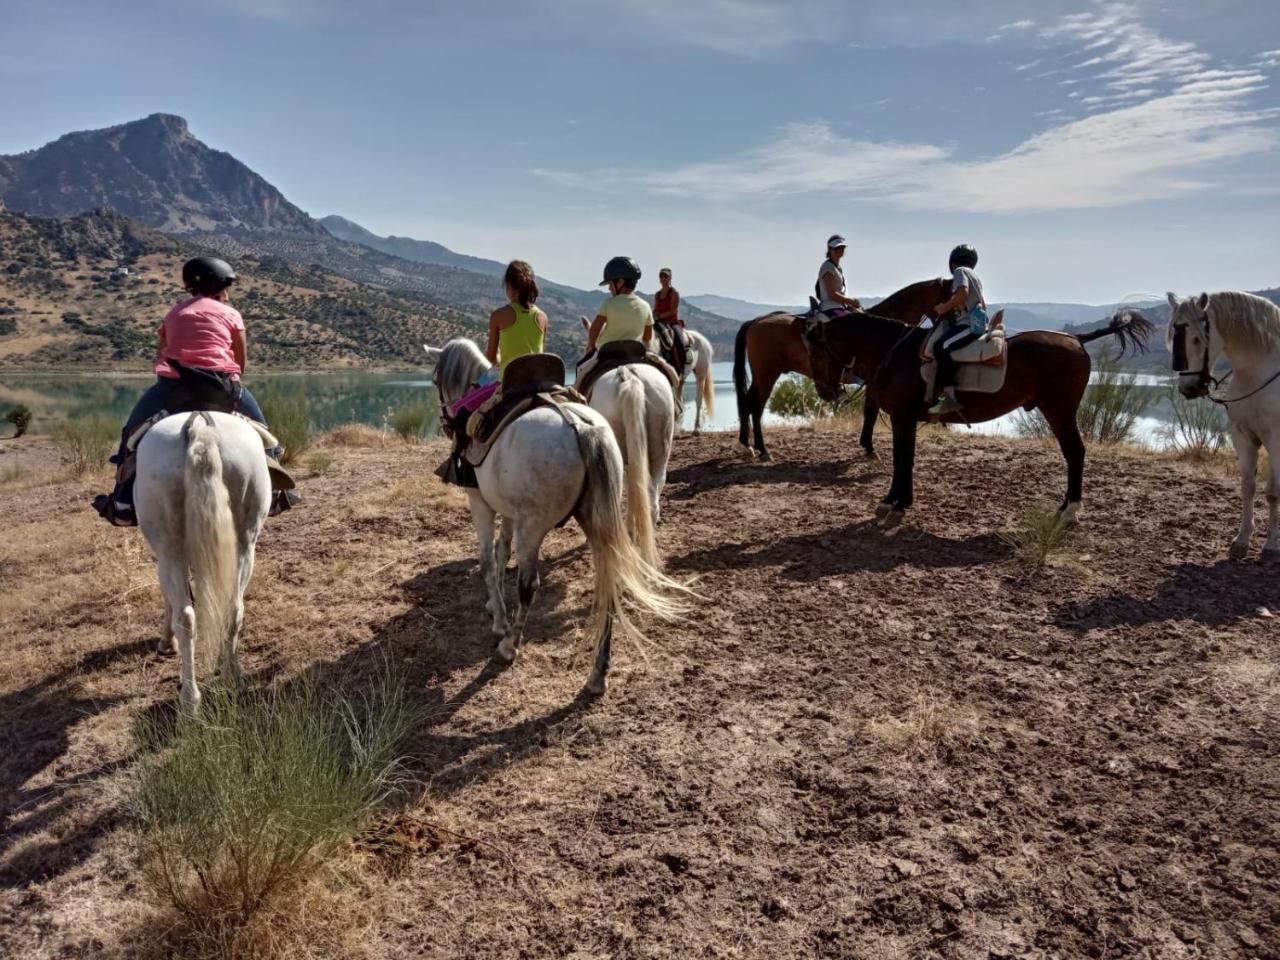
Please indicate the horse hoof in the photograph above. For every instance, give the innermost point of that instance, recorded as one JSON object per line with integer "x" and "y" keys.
{"x": 1237, "y": 550}
{"x": 893, "y": 519}
{"x": 882, "y": 510}
{"x": 871, "y": 455}
{"x": 505, "y": 651}
{"x": 766, "y": 456}
{"x": 596, "y": 686}
{"x": 1271, "y": 555}
{"x": 1070, "y": 514}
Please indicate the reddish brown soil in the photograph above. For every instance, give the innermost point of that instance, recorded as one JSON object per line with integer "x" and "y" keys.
{"x": 862, "y": 745}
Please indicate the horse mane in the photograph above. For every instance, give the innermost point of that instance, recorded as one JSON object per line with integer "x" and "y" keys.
{"x": 1244, "y": 319}
{"x": 460, "y": 365}
{"x": 891, "y": 303}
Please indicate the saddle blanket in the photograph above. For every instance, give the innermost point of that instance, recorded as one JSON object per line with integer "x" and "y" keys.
{"x": 980, "y": 367}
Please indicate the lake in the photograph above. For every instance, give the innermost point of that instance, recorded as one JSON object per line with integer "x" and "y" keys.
{"x": 337, "y": 397}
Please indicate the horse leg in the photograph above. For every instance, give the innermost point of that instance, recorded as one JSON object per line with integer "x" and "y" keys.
{"x": 527, "y": 579}
{"x": 870, "y": 411}
{"x": 231, "y": 653}
{"x": 503, "y": 553}
{"x": 904, "y": 462}
{"x": 1271, "y": 549}
{"x": 1247, "y": 454}
{"x": 884, "y": 507}
{"x": 598, "y": 681}
{"x": 484, "y": 520}
{"x": 177, "y": 594}
{"x": 761, "y": 390}
{"x": 166, "y": 642}
{"x": 1067, "y": 432}
{"x": 697, "y": 402}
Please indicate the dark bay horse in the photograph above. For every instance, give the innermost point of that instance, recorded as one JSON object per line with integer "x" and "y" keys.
{"x": 773, "y": 345}
{"x": 1047, "y": 369}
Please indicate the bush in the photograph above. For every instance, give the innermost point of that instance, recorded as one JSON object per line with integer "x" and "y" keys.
{"x": 237, "y": 810}
{"x": 1199, "y": 428}
{"x": 87, "y": 442}
{"x": 796, "y": 396}
{"x": 289, "y": 418}
{"x": 1111, "y": 406}
{"x": 410, "y": 422}
{"x": 20, "y": 417}
{"x": 1108, "y": 411}
{"x": 1041, "y": 531}
{"x": 319, "y": 461}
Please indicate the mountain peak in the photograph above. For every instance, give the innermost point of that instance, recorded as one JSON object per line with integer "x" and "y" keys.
{"x": 153, "y": 170}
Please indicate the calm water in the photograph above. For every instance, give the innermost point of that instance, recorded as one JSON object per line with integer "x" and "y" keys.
{"x": 362, "y": 397}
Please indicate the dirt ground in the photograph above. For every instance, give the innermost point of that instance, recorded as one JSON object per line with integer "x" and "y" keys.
{"x": 861, "y": 745}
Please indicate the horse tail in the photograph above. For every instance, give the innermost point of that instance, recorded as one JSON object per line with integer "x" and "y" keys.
{"x": 625, "y": 582}
{"x": 635, "y": 427}
{"x": 209, "y": 542}
{"x": 708, "y": 384}
{"x": 1130, "y": 327}
{"x": 740, "y": 385}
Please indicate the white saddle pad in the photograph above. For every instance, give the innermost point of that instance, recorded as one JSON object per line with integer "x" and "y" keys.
{"x": 980, "y": 367}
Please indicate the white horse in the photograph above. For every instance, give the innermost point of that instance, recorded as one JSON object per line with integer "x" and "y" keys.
{"x": 699, "y": 359}
{"x": 545, "y": 466}
{"x": 1246, "y": 329}
{"x": 201, "y": 494}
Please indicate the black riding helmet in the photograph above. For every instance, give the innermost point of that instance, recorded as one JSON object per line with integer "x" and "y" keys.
{"x": 963, "y": 256}
{"x": 207, "y": 276}
{"x": 621, "y": 268}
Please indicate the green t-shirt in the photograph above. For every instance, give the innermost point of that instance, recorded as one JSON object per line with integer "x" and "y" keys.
{"x": 626, "y": 317}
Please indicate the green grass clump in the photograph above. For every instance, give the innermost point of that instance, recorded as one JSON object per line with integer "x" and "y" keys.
{"x": 410, "y": 422}
{"x": 239, "y": 809}
{"x": 1041, "y": 532}
{"x": 1199, "y": 428}
{"x": 289, "y": 418}
{"x": 86, "y": 442}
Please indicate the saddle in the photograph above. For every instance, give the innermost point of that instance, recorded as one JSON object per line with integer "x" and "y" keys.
{"x": 528, "y": 382}
{"x": 621, "y": 353}
{"x": 280, "y": 478}
{"x": 667, "y": 334}
{"x": 980, "y": 366}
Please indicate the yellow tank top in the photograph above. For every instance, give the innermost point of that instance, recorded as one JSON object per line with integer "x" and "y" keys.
{"x": 521, "y": 338}
{"x": 626, "y": 317}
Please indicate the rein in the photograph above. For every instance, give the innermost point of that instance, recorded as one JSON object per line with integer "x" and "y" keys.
{"x": 1205, "y": 376}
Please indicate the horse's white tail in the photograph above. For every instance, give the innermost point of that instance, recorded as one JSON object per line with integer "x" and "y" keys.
{"x": 625, "y": 581}
{"x": 631, "y": 405}
{"x": 707, "y": 384}
{"x": 209, "y": 543}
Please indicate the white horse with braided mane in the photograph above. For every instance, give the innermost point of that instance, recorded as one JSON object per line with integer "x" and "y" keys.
{"x": 547, "y": 465}
{"x": 201, "y": 494}
{"x": 1246, "y": 329}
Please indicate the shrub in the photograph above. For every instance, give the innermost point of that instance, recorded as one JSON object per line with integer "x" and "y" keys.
{"x": 1112, "y": 404}
{"x": 239, "y": 809}
{"x": 289, "y": 418}
{"x": 796, "y": 396}
{"x": 410, "y": 422}
{"x": 354, "y": 435}
{"x": 319, "y": 461}
{"x": 20, "y": 417}
{"x": 1041, "y": 531}
{"x": 1198, "y": 429}
{"x": 85, "y": 443}
{"x": 1108, "y": 411}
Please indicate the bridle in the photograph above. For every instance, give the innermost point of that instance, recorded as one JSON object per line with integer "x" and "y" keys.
{"x": 1204, "y": 377}
{"x": 819, "y": 337}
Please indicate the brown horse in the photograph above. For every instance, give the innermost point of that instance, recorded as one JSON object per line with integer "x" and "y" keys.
{"x": 1046, "y": 369}
{"x": 774, "y": 345}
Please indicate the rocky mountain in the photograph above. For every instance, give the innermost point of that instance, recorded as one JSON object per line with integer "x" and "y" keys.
{"x": 152, "y": 170}
{"x": 406, "y": 248}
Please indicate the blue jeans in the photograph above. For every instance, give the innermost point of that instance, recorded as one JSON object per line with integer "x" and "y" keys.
{"x": 156, "y": 398}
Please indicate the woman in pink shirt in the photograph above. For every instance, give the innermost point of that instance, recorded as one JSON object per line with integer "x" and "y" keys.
{"x": 202, "y": 354}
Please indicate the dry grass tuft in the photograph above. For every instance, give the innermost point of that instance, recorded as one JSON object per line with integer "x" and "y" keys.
{"x": 418, "y": 495}
{"x": 1041, "y": 532}
{"x": 86, "y": 443}
{"x": 355, "y": 435}
{"x": 318, "y": 461}
{"x": 245, "y": 814}
{"x": 927, "y": 727}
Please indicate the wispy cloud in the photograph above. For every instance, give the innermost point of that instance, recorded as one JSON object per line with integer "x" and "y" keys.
{"x": 1158, "y": 121}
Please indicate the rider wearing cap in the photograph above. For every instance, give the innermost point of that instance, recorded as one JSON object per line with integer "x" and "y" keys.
{"x": 964, "y": 318}
{"x": 829, "y": 290}
{"x": 666, "y": 311}
{"x": 203, "y": 352}
{"x": 624, "y": 316}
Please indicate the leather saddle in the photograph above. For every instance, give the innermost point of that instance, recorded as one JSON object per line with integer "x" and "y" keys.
{"x": 988, "y": 348}
{"x": 621, "y": 353}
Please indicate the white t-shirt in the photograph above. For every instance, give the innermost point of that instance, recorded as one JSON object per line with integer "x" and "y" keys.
{"x": 824, "y": 301}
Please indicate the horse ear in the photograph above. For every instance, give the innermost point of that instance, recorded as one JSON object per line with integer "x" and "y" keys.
{"x": 1173, "y": 300}
{"x": 1203, "y": 302}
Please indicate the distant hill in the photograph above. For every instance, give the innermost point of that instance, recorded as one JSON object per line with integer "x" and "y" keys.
{"x": 152, "y": 170}
{"x": 406, "y": 248}
{"x": 90, "y": 291}
{"x": 735, "y": 309}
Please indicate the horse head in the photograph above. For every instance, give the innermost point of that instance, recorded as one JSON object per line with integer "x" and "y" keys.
{"x": 827, "y": 359}
{"x": 1189, "y": 339}
{"x": 455, "y": 367}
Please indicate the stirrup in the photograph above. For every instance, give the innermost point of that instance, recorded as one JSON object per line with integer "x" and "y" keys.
{"x": 282, "y": 500}
{"x": 944, "y": 406}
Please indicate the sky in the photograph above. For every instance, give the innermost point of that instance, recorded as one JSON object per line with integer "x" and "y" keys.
{"x": 1090, "y": 151}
